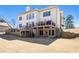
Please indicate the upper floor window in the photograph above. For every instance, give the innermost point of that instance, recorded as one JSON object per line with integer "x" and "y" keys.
{"x": 26, "y": 24}
{"x": 20, "y": 25}
{"x": 32, "y": 23}
{"x": 30, "y": 16}
{"x": 27, "y": 17}
{"x": 20, "y": 18}
{"x": 44, "y": 14}
{"x": 48, "y": 13}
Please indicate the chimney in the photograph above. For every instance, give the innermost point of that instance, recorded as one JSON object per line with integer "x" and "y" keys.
{"x": 27, "y": 8}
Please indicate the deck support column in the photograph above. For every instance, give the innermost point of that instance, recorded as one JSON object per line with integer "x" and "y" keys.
{"x": 37, "y": 32}
{"x": 43, "y": 31}
{"x": 51, "y": 31}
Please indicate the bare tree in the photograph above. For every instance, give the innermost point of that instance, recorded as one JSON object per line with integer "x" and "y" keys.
{"x": 69, "y": 23}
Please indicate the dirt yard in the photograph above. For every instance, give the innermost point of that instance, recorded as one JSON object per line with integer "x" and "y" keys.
{"x": 69, "y": 42}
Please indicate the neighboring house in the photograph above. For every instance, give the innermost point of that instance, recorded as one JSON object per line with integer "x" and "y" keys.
{"x": 47, "y": 22}
{"x": 3, "y": 26}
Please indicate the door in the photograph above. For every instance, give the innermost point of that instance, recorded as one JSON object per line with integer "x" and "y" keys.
{"x": 46, "y": 33}
{"x": 41, "y": 32}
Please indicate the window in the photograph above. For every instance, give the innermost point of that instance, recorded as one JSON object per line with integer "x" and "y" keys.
{"x": 32, "y": 15}
{"x": 27, "y": 24}
{"x": 41, "y": 32}
{"x": 20, "y": 25}
{"x": 27, "y": 17}
{"x": 52, "y": 32}
{"x": 46, "y": 14}
{"x": 20, "y": 18}
{"x": 32, "y": 23}
{"x": 48, "y": 22}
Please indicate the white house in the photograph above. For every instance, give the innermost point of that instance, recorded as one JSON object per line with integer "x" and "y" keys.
{"x": 3, "y": 26}
{"x": 41, "y": 22}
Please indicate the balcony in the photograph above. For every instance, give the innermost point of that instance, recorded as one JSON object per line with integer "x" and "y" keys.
{"x": 44, "y": 23}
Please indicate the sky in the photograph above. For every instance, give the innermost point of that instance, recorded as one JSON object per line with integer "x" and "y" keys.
{"x": 11, "y": 12}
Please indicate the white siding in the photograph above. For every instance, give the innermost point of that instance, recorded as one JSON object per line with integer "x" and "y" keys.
{"x": 38, "y": 16}
{"x": 51, "y": 17}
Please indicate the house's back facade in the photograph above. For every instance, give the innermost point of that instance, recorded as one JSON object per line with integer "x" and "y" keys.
{"x": 41, "y": 22}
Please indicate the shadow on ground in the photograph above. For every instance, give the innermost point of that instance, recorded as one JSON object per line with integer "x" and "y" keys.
{"x": 39, "y": 40}
{"x": 69, "y": 35}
